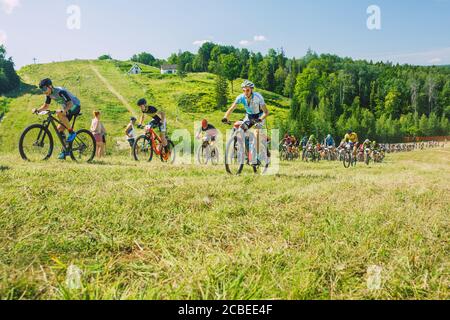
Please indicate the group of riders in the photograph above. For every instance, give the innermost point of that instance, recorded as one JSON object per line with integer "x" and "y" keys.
{"x": 311, "y": 149}
{"x": 253, "y": 102}
{"x": 256, "y": 113}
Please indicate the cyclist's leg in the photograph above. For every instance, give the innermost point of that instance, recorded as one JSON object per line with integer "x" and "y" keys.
{"x": 60, "y": 114}
{"x": 163, "y": 130}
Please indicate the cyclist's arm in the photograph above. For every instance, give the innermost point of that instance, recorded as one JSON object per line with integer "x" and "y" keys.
{"x": 266, "y": 112}
{"x": 142, "y": 119}
{"x": 45, "y": 106}
{"x": 230, "y": 111}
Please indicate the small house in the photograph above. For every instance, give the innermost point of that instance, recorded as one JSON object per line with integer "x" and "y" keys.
{"x": 169, "y": 69}
{"x": 135, "y": 69}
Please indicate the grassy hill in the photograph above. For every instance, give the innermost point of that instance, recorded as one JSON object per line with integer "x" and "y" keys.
{"x": 150, "y": 231}
{"x": 98, "y": 85}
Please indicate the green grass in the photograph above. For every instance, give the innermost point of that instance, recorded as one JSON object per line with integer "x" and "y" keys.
{"x": 159, "y": 232}
{"x": 162, "y": 91}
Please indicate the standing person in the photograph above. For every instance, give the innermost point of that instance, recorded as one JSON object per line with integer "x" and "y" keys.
{"x": 70, "y": 107}
{"x": 98, "y": 131}
{"x": 131, "y": 133}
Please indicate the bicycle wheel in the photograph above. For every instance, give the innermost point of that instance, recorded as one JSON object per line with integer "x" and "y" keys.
{"x": 215, "y": 158}
{"x": 168, "y": 154}
{"x": 347, "y": 160}
{"x": 202, "y": 155}
{"x": 235, "y": 156}
{"x": 36, "y": 143}
{"x": 83, "y": 148}
{"x": 368, "y": 159}
{"x": 263, "y": 161}
{"x": 142, "y": 149}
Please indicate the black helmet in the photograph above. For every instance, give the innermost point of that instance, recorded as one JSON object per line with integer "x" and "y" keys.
{"x": 350, "y": 131}
{"x": 45, "y": 83}
{"x": 141, "y": 102}
{"x": 133, "y": 119}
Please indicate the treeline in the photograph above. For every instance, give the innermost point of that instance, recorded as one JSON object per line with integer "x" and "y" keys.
{"x": 331, "y": 94}
{"x": 9, "y": 80}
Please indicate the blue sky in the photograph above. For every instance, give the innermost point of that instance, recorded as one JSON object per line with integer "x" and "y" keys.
{"x": 412, "y": 31}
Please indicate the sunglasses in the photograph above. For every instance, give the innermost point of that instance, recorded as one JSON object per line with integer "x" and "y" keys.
{"x": 44, "y": 89}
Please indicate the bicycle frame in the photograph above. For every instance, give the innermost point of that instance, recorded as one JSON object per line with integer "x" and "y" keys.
{"x": 53, "y": 121}
{"x": 151, "y": 134}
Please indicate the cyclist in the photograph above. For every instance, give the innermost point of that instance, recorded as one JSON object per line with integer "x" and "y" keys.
{"x": 329, "y": 142}
{"x": 70, "y": 107}
{"x": 367, "y": 144}
{"x": 352, "y": 138}
{"x": 255, "y": 107}
{"x": 209, "y": 132}
{"x": 158, "y": 119}
{"x": 312, "y": 140}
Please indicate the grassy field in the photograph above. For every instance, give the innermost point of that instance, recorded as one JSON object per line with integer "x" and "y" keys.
{"x": 158, "y": 232}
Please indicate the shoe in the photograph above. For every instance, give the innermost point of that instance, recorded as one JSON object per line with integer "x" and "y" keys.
{"x": 71, "y": 137}
{"x": 62, "y": 156}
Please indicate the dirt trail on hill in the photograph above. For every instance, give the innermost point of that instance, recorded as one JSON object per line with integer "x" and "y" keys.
{"x": 112, "y": 90}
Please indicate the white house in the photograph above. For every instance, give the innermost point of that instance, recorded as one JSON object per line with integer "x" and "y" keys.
{"x": 169, "y": 69}
{"x": 135, "y": 69}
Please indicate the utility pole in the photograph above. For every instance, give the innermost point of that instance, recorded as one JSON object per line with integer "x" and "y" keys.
{"x": 34, "y": 60}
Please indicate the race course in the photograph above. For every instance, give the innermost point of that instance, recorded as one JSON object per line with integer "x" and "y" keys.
{"x": 154, "y": 231}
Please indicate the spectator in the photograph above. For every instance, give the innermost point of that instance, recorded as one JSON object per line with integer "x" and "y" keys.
{"x": 99, "y": 132}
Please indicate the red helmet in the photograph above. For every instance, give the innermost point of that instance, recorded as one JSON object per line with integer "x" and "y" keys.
{"x": 204, "y": 123}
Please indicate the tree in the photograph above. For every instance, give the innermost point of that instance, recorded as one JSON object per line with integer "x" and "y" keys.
{"x": 230, "y": 67}
{"x": 144, "y": 58}
{"x": 9, "y": 80}
{"x": 280, "y": 80}
{"x": 105, "y": 57}
{"x": 221, "y": 91}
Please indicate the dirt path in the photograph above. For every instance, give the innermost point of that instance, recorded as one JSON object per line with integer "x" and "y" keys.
{"x": 112, "y": 90}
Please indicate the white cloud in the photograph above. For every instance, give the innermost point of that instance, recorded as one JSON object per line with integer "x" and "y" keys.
{"x": 200, "y": 42}
{"x": 8, "y": 6}
{"x": 244, "y": 43}
{"x": 260, "y": 38}
{"x": 435, "y": 61}
{"x": 3, "y": 37}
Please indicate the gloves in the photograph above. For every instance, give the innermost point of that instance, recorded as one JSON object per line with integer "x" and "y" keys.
{"x": 140, "y": 126}
{"x": 225, "y": 121}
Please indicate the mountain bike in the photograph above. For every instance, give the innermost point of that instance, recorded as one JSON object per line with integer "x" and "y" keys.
{"x": 312, "y": 154}
{"x": 349, "y": 158}
{"x": 241, "y": 149}
{"x": 208, "y": 152}
{"x": 36, "y": 142}
{"x": 149, "y": 144}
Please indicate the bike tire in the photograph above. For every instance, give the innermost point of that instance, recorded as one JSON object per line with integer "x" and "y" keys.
{"x": 171, "y": 159}
{"x": 46, "y": 133}
{"x": 146, "y": 143}
{"x": 347, "y": 160}
{"x": 88, "y": 139}
{"x": 231, "y": 145}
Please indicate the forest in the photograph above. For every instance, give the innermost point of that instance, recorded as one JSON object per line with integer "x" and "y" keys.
{"x": 331, "y": 94}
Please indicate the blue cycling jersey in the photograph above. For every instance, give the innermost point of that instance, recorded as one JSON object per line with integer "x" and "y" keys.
{"x": 254, "y": 106}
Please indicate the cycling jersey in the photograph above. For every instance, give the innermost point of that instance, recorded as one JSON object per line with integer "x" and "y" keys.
{"x": 210, "y": 130}
{"x": 254, "y": 106}
{"x": 329, "y": 142}
{"x": 63, "y": 97}
{"x": 351, "y": 138}
{"x": 150, "y": 110}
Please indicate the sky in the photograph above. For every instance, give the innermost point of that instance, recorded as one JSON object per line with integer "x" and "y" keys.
{"x": 409, "y": 31}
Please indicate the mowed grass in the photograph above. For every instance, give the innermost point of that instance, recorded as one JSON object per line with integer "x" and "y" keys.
{"x": 151, "y": 231}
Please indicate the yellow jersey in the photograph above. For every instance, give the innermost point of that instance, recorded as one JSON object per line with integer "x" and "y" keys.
{"x": 351, "y": 138}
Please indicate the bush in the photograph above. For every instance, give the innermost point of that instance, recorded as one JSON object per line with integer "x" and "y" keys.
{"x": 105, "y": 57}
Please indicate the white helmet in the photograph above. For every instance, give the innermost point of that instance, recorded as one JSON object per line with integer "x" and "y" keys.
{"x": 248, "y": 84}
